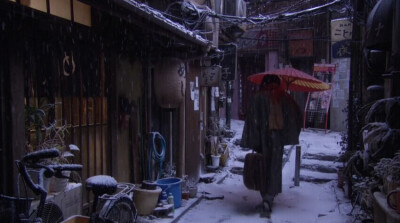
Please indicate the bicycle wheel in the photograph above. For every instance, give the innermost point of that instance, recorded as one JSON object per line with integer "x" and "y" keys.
{"x": 51, "y": 213}
{"x": 121, "y": 210}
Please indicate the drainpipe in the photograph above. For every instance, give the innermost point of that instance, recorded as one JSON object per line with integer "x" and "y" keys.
{"x": 181, "y": 147}
{"x": 396, "y": 48}
{"x": 170, "y": 137}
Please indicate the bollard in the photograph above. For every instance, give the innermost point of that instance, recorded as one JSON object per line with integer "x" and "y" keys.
{"x": 297, "y": 166}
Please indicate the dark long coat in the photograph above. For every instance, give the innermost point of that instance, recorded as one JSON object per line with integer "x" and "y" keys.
{"x": 259, "y": 136}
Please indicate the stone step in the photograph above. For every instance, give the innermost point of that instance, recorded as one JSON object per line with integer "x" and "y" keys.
{"x": 320, "y": 156}
{"x": 319, "y": 168}
{"x": 316, "y": 177}
{"x": 311, "y": 179}
{"x": 332, "y": 164}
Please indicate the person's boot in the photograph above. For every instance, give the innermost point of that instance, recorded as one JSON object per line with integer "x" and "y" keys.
{"x": 266, "y": 209}
{"x": 267, "y": 206}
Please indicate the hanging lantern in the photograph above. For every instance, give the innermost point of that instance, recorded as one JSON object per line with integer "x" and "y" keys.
{"x": 170, "y": 82}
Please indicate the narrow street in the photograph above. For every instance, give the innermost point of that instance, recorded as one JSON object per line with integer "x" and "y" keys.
{"x": 316, "y": 199}
{"x": 151, "y": 95}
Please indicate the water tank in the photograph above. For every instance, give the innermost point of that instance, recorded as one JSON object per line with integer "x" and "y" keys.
{"x": 169, "y": 82}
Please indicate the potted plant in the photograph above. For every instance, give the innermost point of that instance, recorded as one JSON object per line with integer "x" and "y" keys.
{"x": 41, "y": 136}
{"x": 381, "y": 170}
{"x": 192, "y": 188}
{"x": 393, "y": 176}
{"x": 215, "y": 154}
{"x": 189, "y": 187}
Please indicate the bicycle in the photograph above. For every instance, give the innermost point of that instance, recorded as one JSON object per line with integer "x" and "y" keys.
{"x": 18, "y": 209}
{"x": 113, "y": 201}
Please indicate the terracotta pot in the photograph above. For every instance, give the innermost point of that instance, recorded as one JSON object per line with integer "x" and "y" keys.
{"x": 395, "y": 194}
{"x": 390, "y": 185}
{"x": 146, "y": 200}
{"x": 185, "y": 195}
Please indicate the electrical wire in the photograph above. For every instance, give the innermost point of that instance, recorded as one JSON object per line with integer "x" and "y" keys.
{"x": 194, "y": 15}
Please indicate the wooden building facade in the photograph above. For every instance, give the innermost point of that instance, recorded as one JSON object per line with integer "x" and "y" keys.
{"x": 94, "y": 61}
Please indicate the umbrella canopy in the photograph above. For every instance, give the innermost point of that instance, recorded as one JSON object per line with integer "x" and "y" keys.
{"x": 292, "y": 79}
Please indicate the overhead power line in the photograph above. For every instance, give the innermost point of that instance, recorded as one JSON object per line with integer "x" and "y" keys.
{"x": 196, "y": 14}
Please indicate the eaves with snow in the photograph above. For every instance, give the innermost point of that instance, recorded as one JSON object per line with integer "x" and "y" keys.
{"x": 152, "y": 15}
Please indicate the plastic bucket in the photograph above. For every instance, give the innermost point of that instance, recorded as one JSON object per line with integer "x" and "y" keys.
{"x": 172, "y": 185}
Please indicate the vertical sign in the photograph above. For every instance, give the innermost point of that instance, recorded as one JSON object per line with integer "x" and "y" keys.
{"x": 341, "y": 33}
{"x": 228, "y": 62}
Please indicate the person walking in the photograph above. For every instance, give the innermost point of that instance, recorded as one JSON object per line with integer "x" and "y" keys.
{"x": 273, "y": 120}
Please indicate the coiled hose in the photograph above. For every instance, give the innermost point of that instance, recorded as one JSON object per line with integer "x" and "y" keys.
{"x": 156, "y": 155}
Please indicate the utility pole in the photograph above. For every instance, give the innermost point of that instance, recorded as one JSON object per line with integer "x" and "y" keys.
{"x": 396, "y": 48}
{"x": 354, "y": 77}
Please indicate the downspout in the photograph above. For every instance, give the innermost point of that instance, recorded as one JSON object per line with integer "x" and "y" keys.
{"x": 396, "y": 48}
{"x": 181, "y": 148}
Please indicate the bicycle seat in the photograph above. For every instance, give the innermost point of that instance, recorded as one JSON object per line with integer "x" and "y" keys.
{"x": 101, "y": 184}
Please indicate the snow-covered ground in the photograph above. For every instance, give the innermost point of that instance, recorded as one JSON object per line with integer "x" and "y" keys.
{"x": 307, "y": 203}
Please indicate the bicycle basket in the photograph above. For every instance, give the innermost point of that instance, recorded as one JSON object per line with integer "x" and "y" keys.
{"x": 12, "y": 207}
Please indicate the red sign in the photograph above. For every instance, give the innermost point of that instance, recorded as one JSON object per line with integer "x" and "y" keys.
{"x": 300, "y": 43}
{"x": 325, "y": 68}
{"x": 267, "y": 39}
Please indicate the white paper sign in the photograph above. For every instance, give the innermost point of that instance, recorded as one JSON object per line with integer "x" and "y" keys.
{"x": 196, "y": 100}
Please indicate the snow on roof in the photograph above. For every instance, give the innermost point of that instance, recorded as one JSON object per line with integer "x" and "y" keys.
{"x": 157, "y": 17}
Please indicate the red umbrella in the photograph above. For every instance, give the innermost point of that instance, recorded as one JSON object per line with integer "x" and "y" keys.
{"x": 292, "y": 79}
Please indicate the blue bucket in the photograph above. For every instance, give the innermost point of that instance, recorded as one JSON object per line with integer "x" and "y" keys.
{"x": 172, "y": 185}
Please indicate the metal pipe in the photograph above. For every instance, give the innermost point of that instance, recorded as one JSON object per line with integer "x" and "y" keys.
{"x": 297, "y": 166}
{"x": 181, "y": 146}
{"x": 170, "y": 137}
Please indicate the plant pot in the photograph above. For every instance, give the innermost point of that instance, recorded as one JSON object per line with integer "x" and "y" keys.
{"x": 146, "y": 200}
{"x": 148, "y": 185}
{"x": 394, "y": 195}
{"x": 185, "y": 195}
{"x": 215, "y": 160}
{"x": 390, "y": 185}
{"x": 192, "y": 192}
{"x": 59, "y": 184}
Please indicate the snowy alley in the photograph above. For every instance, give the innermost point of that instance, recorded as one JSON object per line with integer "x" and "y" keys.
{"x": 321, "y": 202}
